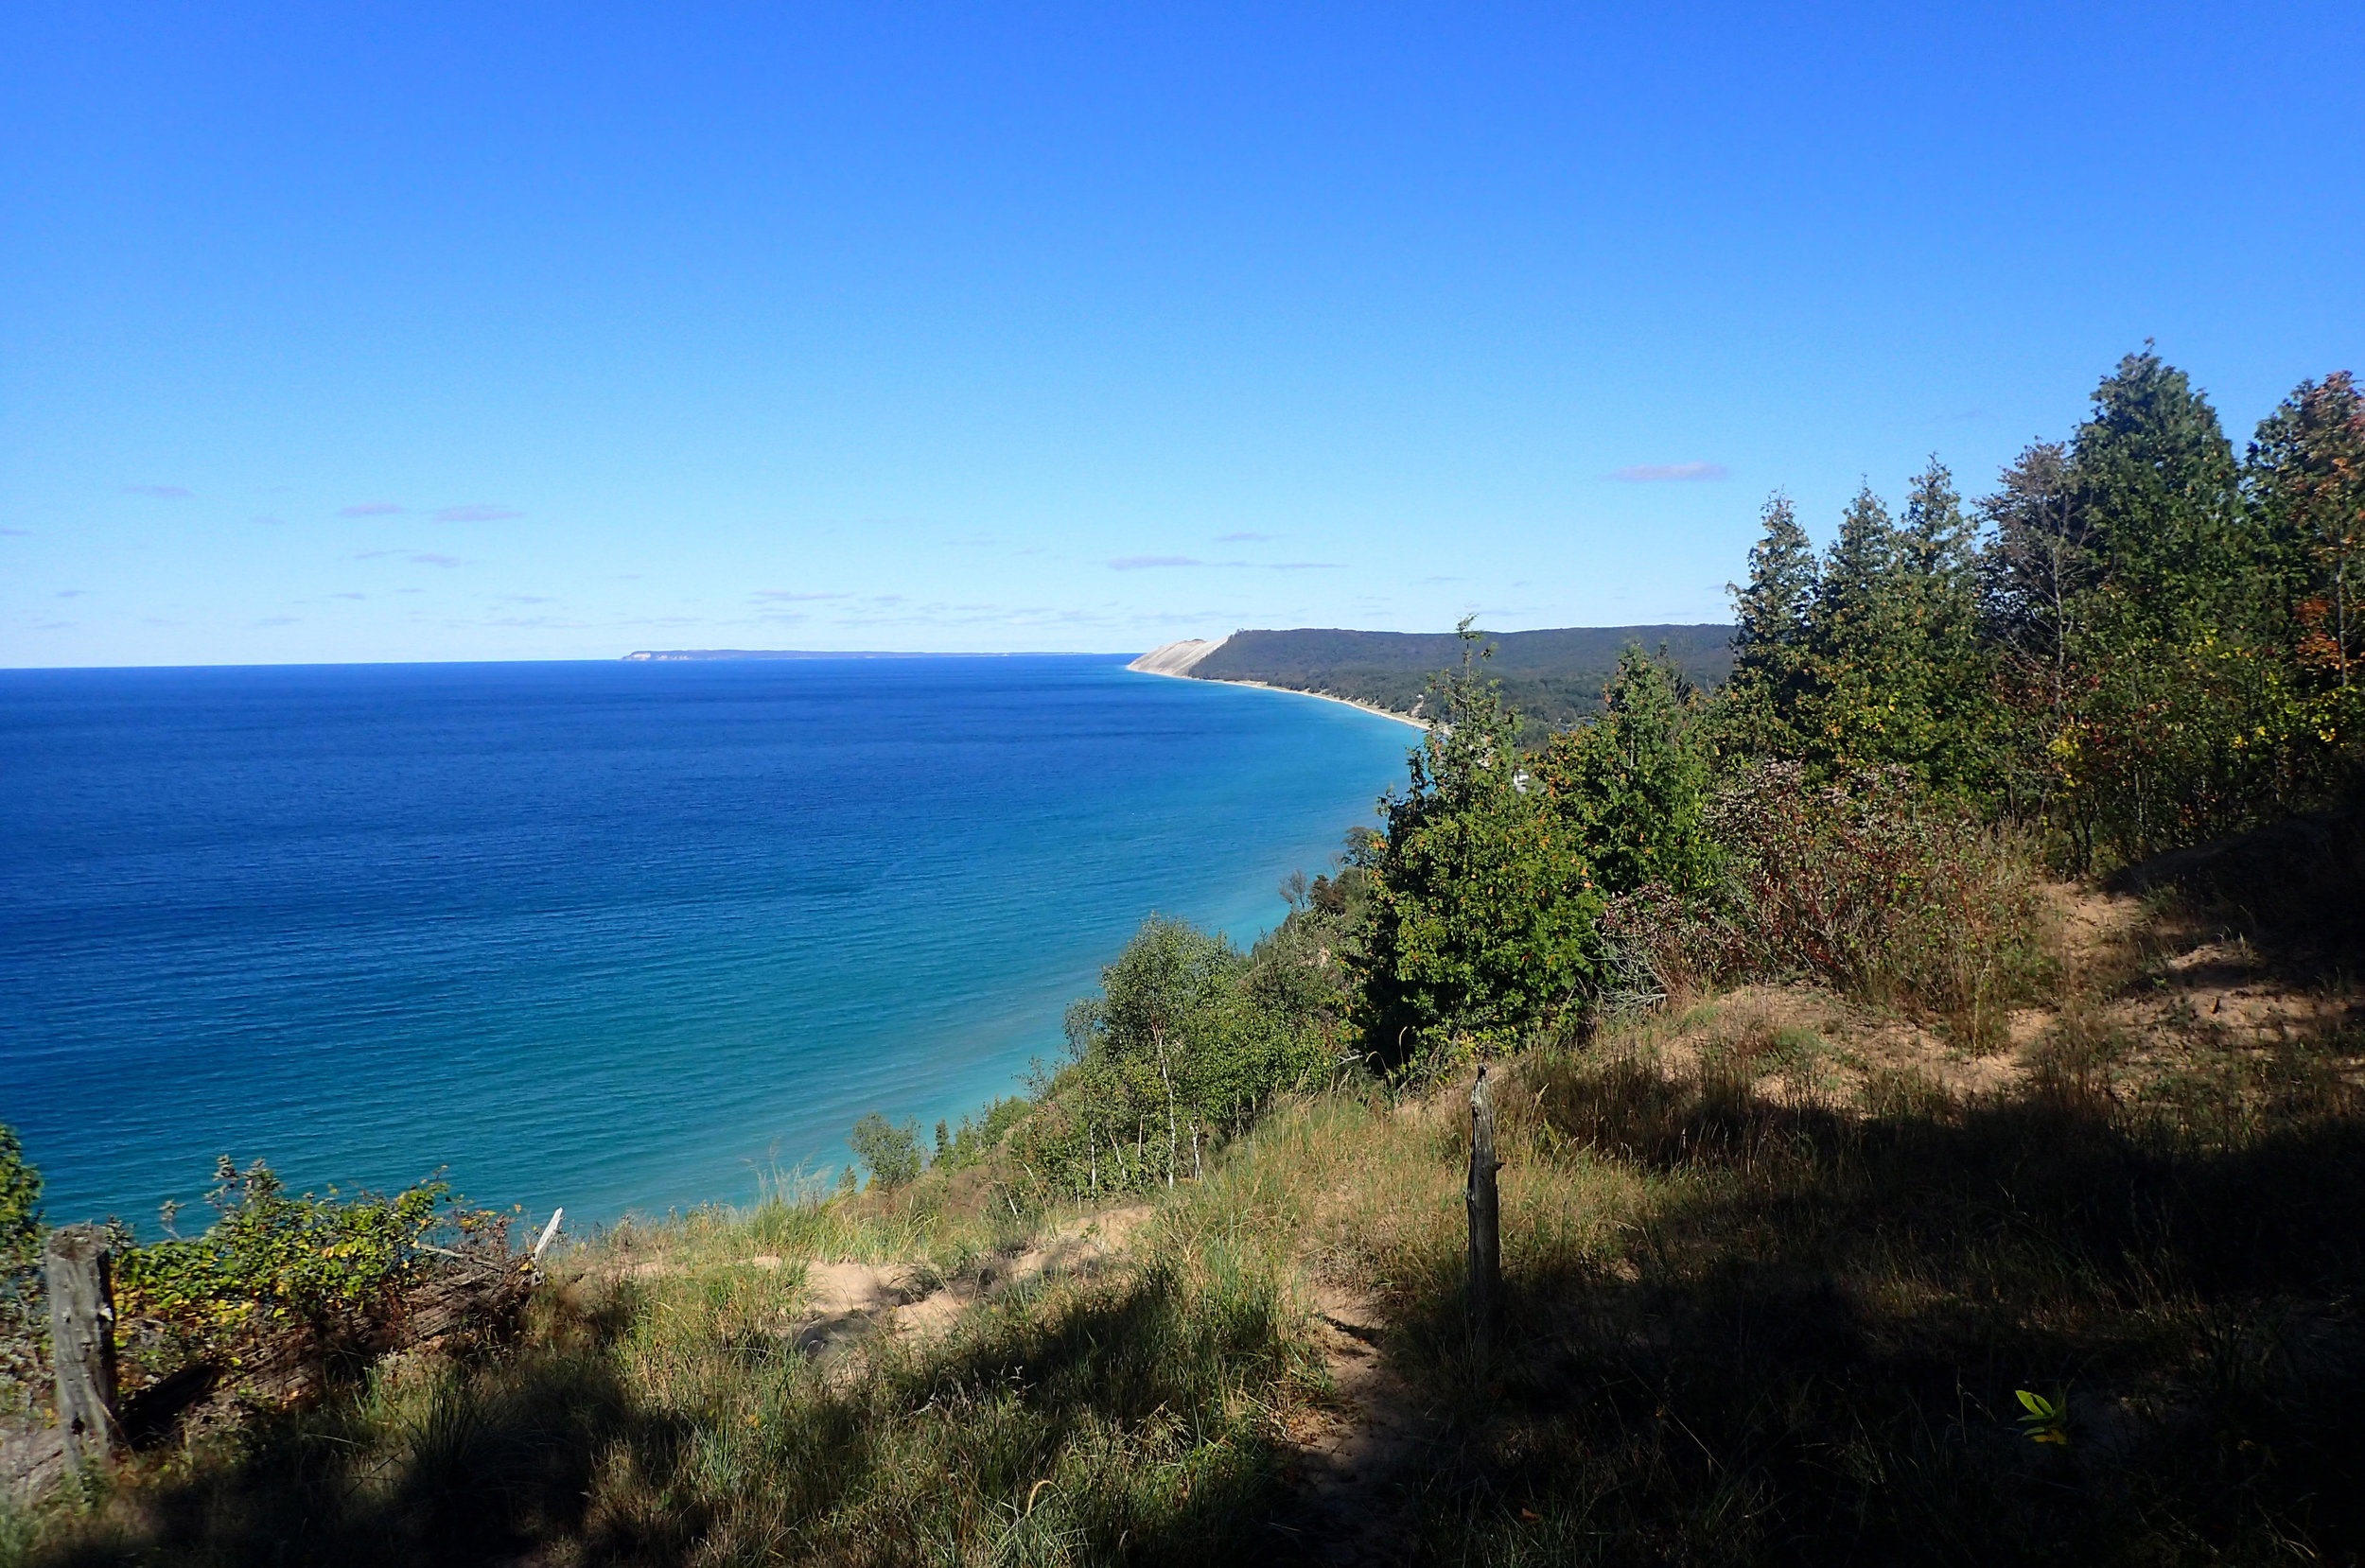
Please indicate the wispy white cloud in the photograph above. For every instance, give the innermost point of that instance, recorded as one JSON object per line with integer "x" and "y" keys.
{"x": 1307, "y": 565}
{"x": 423, "y": 557}
{"x": 276, "y": 620}
{"x": 348, "y": 596}
{"x": 476, "y": 515}
{"x": 162, "y": 491}
{"x": 369, "y": 509}
{"x": 1243, "y": 538}
{"x": 17, "y": 533}
{"x": 1660, "y": 472}
{"x": 72, "y": 593}
{"x": 1141, "y": 563}
{"x": 272, "y": 522}
{"x": 791, "y": 595}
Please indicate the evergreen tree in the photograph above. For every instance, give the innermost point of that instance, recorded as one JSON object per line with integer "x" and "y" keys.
{"x": 1482, "y": 909}
{"x": 2154, "y": 475}
{"x": 2040, "y": 564}
{"x": 1954, "y": 719}
{"x": 2038, "y": 573}
{"x": 1852, "y": 642}
{"x": 1770, "y": 665}
{"x": 2181, "y": 726}
{"x": 1630, "y": 788}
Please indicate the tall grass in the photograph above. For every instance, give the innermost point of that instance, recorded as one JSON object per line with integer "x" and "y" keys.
{"x": 657, "y": 1411}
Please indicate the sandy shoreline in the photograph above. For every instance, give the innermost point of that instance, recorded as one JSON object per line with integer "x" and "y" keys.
{"x": 1291, "y": 692}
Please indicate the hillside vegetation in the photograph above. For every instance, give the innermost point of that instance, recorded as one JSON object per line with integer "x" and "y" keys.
{"x": 1932, "y": 1093}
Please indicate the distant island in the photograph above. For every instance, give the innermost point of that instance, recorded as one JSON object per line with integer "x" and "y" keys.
{"x": 1553, "y": 677}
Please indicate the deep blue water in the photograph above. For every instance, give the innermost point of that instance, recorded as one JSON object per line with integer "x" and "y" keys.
{"x": 614, "y": 936}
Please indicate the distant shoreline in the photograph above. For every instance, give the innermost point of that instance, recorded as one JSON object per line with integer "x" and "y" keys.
{"x": 1420, "y": 724}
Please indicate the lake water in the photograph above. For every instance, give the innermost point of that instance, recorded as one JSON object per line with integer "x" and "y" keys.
{"x": 617, "y": 936}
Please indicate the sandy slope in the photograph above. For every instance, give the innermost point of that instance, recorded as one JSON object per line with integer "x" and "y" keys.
{"x": 1176, "y": 658}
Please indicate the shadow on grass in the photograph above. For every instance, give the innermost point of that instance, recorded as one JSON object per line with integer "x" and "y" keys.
{"x": 1117, "y": 1424}
{"x": 1812, "y": 1353}
{"x": 2295, "y": 890}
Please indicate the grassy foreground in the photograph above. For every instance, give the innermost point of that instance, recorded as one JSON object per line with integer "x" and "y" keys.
{"x": 1779, "y": 1268}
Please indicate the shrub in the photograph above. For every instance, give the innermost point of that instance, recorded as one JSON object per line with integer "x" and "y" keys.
{"x": 271, "y": 1262}
{"x": 1187, "y": 1042}
{"x": 23, "y": 1323}
{"x": 965, "y": 1146}
{"x": 1657, "y": 947}
{"x": 1873, "y": 885}
{"x": 889, "y": 1153}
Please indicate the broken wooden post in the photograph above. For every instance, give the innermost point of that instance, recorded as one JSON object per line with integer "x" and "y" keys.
{"x": 79, "y": 1272}
{"x": 1486, "y": 1243}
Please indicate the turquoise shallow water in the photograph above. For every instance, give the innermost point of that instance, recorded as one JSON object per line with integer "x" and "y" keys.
{"x": 613, "y": 936}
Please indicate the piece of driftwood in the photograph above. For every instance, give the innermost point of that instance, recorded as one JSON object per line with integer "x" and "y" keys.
{"x": 1486, "y": 1243}
{"x": 548, "y": 1231}
{"x": 78, "y": 1271}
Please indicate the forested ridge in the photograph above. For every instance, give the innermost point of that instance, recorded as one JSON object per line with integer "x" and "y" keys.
{"x": 1551, "y": 678}
{"x": 1933, "y": 1130}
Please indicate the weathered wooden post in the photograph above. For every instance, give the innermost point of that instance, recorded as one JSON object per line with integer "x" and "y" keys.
{"x": 79, "y": 1272}
{"x": 1486, "y": 1241}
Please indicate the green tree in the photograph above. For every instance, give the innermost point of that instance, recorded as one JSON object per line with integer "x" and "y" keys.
{"x": 1298, "y": 972}
{"x": 1772, "y": 672}
{"x": 1482, "y": 908}
{"x": 1181, "y": 1047}
{"x": 1871, "y": 657}
{"x": 2306, "y": 478}
{"x": 1846, "y": 706}
{"x": 2039, "y": 569}
{"x": 2154, "y": 477}
{"x": 1166, "y": 1018}
{"x": 1632, "y": 788}
{"x": 2182, "y": 726}
{"x": 889, "y": 1152}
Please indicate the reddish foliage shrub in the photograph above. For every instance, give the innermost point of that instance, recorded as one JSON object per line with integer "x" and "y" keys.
{"x": 1878, "y": 888}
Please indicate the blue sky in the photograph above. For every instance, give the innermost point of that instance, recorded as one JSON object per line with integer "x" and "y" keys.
{"x": 334, "y": 332}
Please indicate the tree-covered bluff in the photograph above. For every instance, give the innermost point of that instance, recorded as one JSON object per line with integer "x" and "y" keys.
{"x": 1554, "y": 678}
